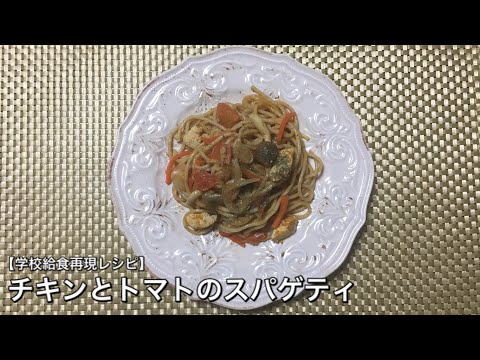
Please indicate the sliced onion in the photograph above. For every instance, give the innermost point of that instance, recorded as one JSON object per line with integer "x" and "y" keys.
{"x": 260, "y": 125}
{"x": 193, "y": 197}
{"x": 237, "y": 172}
{"x": 230, "y": 189}
{"x": 178, "y": 177}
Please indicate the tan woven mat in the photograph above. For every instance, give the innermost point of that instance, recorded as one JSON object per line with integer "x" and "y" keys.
{"x": 61, "y": 106}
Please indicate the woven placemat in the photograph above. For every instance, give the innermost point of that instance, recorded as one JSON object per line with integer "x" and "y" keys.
{"x": 418, "y": 252}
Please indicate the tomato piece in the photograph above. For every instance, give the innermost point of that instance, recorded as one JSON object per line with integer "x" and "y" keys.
{"x": 227, "y": 116}
{"x": 215, "y": 151}
{"x": 203, "y": 180}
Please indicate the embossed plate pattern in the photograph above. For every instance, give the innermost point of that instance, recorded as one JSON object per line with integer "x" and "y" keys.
{"x": 152, "y": 220}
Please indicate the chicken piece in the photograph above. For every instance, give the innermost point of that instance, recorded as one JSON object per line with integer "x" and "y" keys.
{"x": 283, "y": 165}
{"x": 192, "y": 138}
{"x": 279, "y": 171}
{"x": 287, "y": 227}
{"x": 200, "y": 220}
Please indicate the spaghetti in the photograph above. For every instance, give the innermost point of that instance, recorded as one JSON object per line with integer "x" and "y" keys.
{"x": 243, "y": 169}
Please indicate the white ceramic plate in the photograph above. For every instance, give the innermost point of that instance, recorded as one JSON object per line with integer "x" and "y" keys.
{"x": 152, "y": 220}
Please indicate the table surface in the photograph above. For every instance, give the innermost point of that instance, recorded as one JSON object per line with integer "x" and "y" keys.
{"x": 418, "y": 252}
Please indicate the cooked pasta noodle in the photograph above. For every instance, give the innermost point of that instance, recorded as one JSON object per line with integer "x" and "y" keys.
{"x": 243, "y": 169}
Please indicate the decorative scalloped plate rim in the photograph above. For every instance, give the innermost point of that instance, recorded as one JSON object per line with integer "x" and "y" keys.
{"x": 292, "y": 65}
